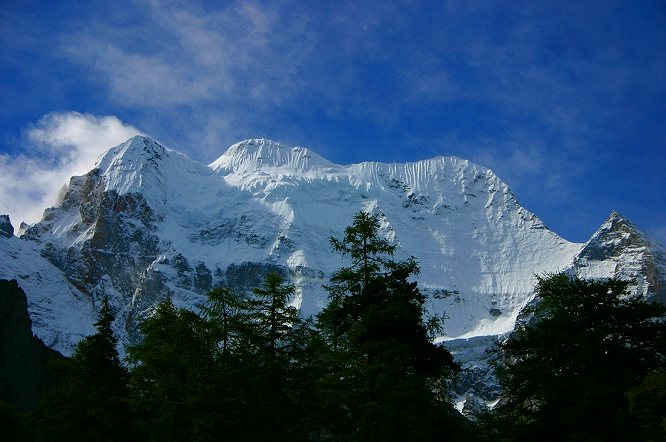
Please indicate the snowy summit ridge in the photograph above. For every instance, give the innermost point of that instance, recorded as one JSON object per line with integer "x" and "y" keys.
{"x": 142, "y": 165}
{"x": 149, "y": 223}
{"x": 255, "y": 154}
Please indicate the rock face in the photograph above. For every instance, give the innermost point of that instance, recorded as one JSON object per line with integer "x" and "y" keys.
{"x": 23, "y": 357}
{"x": 6, "y": 228}
{"x": 149, "y": 223}
{"x": 618, "y": 249}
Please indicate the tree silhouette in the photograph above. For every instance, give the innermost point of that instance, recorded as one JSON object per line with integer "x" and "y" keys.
{"x": 384, "y": 371}
{"x": 91, "y": 402}
{"x": 567, "y": 371}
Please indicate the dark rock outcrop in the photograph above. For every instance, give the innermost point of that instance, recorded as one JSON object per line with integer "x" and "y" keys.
{"x": 6, "y": 228}
{"x": 23, "y": 357}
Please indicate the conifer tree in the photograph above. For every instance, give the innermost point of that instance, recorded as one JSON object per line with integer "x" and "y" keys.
{"x": 232, "y": 372}
{"x": 174, "y": 377}
{"x": 568, "y": 372}
{"x": 384, "y": 371}
{"x": 224, "y": 313}
{"x": 276, "y": 373}
{"x": 91, "y": 401}
{"x": 272, "y": 318}
{"x": 230, "y": 339}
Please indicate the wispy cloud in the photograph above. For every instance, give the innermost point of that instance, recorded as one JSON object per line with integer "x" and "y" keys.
{"x": 659, "y": 235}
{"x": 241, "y": 62}
{"x": 191, "y": 56}
{"x": 213, "y": 74}
{"x": 58, "y": 146}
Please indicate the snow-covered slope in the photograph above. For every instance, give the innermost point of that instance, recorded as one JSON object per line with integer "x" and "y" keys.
{"x": 61, "y": 315}
{"x": 618, "y": 249}
{"x": 478, "y": 249}
{"x": 148, "y": 223}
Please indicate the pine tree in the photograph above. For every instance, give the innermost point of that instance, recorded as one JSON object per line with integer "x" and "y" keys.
{"x": 272, "y": 318}
{"x": 224, "y": 313}
{"x": 230, "y": 339}
{"x": 236, "y": 371}
{"x": 175, "y": 380}
{"x": 276, "y": 371}
{"x": 567, "y": 371}
{"x": 384, "y": 372}
{"x": 647, "y": 406}
{"x": 91, "y": 402}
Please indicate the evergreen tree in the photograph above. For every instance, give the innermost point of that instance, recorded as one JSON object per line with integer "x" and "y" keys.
{"x": 234, "y": 360}
{"x": 176, "y": 380}
{"x": 91, "y": 401}
{"x": 384, "y": 373}
{"x": 647, "y": 406}
{"x": 277, "y": 344}
{"x": 13, "y": 424}
{"x": 272, "y": 318}
{"x": 234, "y": 372}
{"x": 223, "y": 311}
{"x": 568, "y": 370}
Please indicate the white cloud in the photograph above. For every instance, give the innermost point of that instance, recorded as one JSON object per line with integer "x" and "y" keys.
{"x": 202, "y": 76}
{"x": 59, "y": 146}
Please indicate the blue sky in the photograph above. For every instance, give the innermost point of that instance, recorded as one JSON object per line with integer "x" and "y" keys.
{"x": 564, "y": 100}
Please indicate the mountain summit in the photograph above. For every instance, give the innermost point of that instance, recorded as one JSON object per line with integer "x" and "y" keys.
{"x": 619, "y": 249}
{"x": 250, "y": 155}
{"x": 149, "y": 223}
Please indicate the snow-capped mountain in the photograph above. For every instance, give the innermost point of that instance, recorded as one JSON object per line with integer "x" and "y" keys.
{"x": 148, "y": 223}
{"x": 619, "y": 249}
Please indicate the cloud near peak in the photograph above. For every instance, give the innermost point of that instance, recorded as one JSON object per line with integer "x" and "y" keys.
{"x": 59, "y": 145}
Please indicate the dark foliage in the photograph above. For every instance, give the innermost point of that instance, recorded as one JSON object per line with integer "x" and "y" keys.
{"x": 239, "y": 370}
{"x": 24, "y": 358}
{"x": 91, "y": 401}
{"x": 589, "y": 365}
{"x": 13, "y": 423}
{"x": 569, "y": 372}
{"x": 174, "y": 379}
{"x": 383, "y": 372}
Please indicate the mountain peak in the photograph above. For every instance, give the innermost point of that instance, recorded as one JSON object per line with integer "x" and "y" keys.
{"x": 132, "y": 164}
{"x": 618, "y": 249}
{"x": 262, "y": 153}
{"x": 620, "y": 231}
{"x": 138, "y": 148}
{"x": 616, "y": 233}
{"x": 616, "y": 224}
{"x": 616, "y": 216}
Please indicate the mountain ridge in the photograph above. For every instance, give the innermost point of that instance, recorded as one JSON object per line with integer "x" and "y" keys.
{"x": 261, "y": 152}
{"x": 149, "y": 223}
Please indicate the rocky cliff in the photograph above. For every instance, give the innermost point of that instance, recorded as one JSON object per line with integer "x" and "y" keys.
{"x": 24, "y": 358}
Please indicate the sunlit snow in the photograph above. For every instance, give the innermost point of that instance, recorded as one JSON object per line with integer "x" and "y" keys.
{"x": 264, "y": 202}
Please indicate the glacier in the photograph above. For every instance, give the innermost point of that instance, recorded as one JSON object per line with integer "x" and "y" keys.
{"x": 148, "y": 223}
